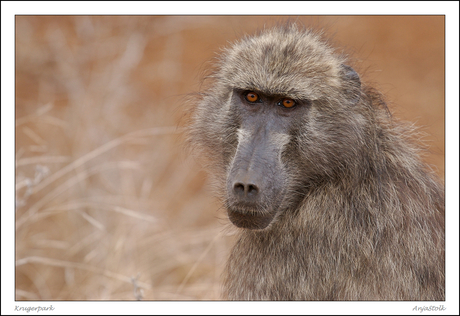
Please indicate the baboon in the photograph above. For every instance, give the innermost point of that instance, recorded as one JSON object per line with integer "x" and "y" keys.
{"x": 327, "y": 189}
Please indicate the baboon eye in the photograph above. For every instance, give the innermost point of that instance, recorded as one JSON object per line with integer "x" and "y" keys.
{"x": 252, "y": 97}
{"x": 287, "y": 103}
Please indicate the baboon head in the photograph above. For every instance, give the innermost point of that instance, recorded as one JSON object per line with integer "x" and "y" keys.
{"x": 279, "y": 115}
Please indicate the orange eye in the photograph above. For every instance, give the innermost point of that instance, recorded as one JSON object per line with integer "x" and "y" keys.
{"x": 252, "y": 97}
{"x": 288, "y": 103}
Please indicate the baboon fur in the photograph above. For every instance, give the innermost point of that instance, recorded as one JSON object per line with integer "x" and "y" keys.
{"x": 357, "y": 215}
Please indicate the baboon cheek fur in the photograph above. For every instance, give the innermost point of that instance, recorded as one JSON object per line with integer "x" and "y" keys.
{"x": 330, "y": 196}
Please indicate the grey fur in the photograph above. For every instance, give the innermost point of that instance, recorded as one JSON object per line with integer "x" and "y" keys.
{"x": 353, "y": 212}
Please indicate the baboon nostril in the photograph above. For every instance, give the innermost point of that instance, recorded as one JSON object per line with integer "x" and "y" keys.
{"x": 244, "y": 189}
{"x": 252, "y": 189}
{"x": 238, "y": 188}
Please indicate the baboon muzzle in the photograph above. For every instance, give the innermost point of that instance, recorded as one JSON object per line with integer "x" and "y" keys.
{"x": 254, "y": 183}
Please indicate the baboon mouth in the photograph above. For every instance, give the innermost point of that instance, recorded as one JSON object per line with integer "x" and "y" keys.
{"x": 250, "y": 220}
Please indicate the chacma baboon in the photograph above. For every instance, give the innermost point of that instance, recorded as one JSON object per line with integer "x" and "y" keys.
{"x": 328, "y": 190}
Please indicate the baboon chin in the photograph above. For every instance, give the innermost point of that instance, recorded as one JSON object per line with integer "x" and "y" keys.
{"x": 249, "y": 220}
{"x": 331, "y": 197}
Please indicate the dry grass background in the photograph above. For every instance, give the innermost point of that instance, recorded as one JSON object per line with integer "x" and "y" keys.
{"x": 108, "y": 206}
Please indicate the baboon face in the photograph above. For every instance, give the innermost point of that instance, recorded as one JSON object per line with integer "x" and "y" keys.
{"x": 271, "y": 118}
{"x": 257, "y": 175}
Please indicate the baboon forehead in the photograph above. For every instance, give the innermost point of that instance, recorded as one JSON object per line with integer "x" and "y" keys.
{"x": 282, "y": 61}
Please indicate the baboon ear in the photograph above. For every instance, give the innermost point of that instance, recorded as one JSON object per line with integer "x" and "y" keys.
{"x": 352, "y": 83}
{"x": 349, "y": 74}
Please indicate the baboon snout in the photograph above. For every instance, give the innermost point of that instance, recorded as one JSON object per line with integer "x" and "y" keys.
{"x": 247, "y": 187}
{"x": 248, "y": 180}
{"x": 254, "y": 188}
{"x": 250, "y": 199}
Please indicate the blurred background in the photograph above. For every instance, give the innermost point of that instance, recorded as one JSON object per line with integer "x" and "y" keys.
{"x": 108, "y": 205}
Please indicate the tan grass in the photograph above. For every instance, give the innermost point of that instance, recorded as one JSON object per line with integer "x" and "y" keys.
{"x": 102, "y": 187}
